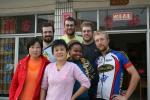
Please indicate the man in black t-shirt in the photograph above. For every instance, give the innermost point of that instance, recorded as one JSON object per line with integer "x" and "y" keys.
{"x": 90, "y": 52}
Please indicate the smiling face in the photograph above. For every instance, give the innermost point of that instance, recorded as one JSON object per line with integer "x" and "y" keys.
{"x": 87, "y": 33}
{"x": 48, "y": 34}
{"x": 60, "y": 52}
{"x": 75, "y": 52}
{"x": 35, "y": 50}
{"x": 102, "y": 42}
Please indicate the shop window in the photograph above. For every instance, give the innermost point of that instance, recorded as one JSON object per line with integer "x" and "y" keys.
{"x": 7, "y": 25}
{"x": 6, "y": 64}
{"x": 118, "y": 19}
{"x": 25, "y": 24}
{"x": 44, "y": 18}
{"x": 17, "y": 24}
{"x": 86, "y": 16}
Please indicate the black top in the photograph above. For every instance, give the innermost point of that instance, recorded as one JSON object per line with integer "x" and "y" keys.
{"x": 90, "y": 52}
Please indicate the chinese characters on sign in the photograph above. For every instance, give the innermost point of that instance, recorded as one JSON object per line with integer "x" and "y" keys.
{"x": 122, "y": 16}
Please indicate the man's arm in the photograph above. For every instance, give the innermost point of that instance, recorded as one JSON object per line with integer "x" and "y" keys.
{"x": 132, "y": 85}
{"x": 133, "y": 81}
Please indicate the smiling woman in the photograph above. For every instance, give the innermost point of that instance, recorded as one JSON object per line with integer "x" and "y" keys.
{"x": 61, "y": 75}
{"x": 26, "y": 81}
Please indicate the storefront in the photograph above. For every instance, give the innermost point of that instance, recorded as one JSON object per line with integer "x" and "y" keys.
{"x": 128, "y": 27}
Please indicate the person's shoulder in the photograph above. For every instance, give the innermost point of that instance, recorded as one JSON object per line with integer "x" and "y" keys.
{"x": 62, "y": 37}
{"x": 24, "y": 59}
{"x": 23, "y": 62}
{"x": 78, "y": 36}
{"x": 49, "y": 67}
{"x": 45, "y": 59}
{"x": 52, "y": 63}
{"x": 70, "y": 63}
{"x": 119, "y": 52}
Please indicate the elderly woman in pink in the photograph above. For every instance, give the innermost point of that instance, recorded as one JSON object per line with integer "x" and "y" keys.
{"x": 60, "y": 76}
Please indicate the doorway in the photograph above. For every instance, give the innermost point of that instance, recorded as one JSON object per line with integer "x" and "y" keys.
{"x": 134, "y": 44}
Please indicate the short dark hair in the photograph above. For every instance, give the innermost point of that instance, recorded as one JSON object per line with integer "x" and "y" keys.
{"x": 47, "y": 24}
{"x": 34, "y": 40}
{"x": 59, "y": 42}
{"x": 74, "y": 42}
{"x": 70, "y": 19}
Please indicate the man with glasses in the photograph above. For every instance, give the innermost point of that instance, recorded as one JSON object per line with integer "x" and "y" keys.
{"x": 90, "y": 52}
{"x": 69, "y": 29}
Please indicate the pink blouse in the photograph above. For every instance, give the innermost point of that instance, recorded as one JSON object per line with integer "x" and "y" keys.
{"x": 59, "y": 84}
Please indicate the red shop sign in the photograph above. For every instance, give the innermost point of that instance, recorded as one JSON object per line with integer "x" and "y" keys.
{"x": 118, "y": 16}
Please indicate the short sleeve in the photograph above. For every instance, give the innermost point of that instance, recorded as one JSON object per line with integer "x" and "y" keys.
{"x": 125, "y": 60}
{"x": 80, "y": 76}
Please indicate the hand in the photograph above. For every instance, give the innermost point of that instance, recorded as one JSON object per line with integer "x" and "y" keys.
{"x": 119, "y": 97}
{"x": 73, "y": 98}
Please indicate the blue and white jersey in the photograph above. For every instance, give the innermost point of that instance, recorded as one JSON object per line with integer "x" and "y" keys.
{"x": 110, "y": 68}
{"x": 47, "y": 52}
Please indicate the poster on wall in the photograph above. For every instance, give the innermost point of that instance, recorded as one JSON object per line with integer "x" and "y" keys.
{"x": 65, "y": 15}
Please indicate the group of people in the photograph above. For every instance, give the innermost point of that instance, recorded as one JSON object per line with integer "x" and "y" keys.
{"x": 72, "y": 67}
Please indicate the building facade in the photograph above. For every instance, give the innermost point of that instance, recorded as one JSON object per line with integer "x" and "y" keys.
{"x": 127, "y": 22}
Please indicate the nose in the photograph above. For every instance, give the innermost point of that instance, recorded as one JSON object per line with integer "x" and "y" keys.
{"x": 59, "y": 51}
{"x": 35, "y": 49}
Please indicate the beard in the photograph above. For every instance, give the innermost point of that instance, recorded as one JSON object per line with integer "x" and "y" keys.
{"x": 103, "y": 48}
{"x": 70, "y": 33}
{"x": 48, "y": 39}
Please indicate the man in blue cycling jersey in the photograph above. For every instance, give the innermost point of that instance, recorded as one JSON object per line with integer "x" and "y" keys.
{"x": 110, "y": 66}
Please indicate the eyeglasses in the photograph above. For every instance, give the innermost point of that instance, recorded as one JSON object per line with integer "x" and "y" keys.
{"x": 71, "y": 25}
{"x": 84, "y": 31}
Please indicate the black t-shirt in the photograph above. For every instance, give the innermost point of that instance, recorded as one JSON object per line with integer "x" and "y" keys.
{"x": 90, "y": 52}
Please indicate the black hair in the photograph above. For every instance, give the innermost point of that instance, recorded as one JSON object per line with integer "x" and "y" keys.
{"x": 59, "y": 42}
{"x": 47, "y": 24}
{"x": 74, "y": 42}
{"x": 34, "y": 40}
{"x": 70, "y": 19}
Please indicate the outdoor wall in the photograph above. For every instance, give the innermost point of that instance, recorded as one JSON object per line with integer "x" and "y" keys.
{"x": 92, "y": 4}
{"x": 15, "y": 7}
